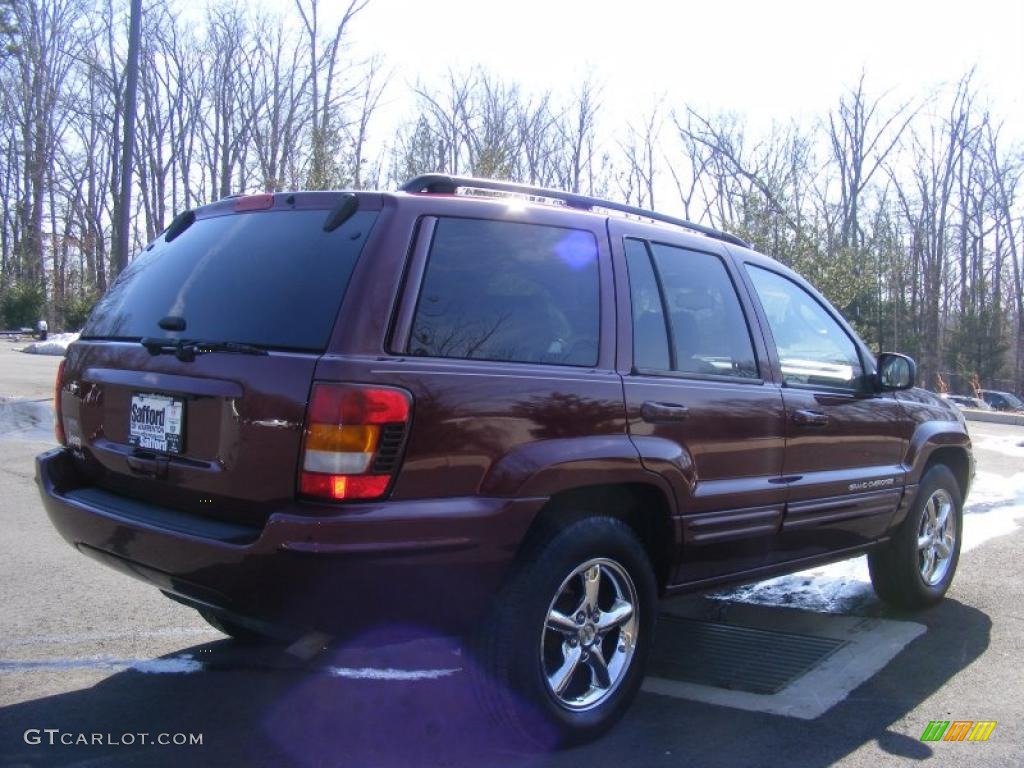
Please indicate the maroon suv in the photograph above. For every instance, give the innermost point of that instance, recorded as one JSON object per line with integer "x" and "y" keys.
{"x": 477, "y": 408}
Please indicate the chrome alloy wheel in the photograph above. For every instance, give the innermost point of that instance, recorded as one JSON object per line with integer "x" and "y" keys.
{"x": 936, "y": 538}
{"x": 590, "y": 634}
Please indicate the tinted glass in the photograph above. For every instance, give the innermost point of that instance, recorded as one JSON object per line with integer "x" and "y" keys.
{"x": 496, "y": 290}
{"x": 813, "y": 349}
{"x": 650, "y": 339}
{"x": 273, "y": 279}
{"x": 709, "y": 331}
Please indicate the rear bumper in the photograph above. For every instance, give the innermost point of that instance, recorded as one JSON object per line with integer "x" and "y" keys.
{"x": 410, "y": 566}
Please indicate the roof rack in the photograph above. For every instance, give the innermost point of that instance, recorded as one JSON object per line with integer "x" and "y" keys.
{"x": 440, "y": 183}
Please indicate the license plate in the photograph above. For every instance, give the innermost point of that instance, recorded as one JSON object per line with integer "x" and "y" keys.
{"x": 157, "y": 422}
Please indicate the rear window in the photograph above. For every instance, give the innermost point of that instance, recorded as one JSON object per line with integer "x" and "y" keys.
{"x": 508, "y": 291}
{"x": 274, "y": 279}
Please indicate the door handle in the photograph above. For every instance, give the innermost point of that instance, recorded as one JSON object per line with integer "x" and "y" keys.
{"x": 806, "y": 418}
{"x": 655, "y": 412}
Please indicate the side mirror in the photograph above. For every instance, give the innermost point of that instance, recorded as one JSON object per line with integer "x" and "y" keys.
{"x": 896, "y": 372}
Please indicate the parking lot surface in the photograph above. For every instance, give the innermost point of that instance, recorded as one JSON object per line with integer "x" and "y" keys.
{"x": 86, "y": 651}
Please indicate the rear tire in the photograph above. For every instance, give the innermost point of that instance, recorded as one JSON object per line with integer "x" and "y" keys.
{"x": 563, "y": 653}
{"x": 915, "y": 568}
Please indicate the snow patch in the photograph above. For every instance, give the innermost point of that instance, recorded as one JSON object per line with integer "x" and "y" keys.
{"x": 995, "y": 508}
{"x": 26, "y": 419}
{"x": 1007, "y": 445}
{"x": 370, "y": 673}
{"x": 841, "y": 587}
{"x": 55, "y": 344}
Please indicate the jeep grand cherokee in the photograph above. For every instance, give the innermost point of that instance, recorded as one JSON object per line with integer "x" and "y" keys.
{"x": 516, "y": 415}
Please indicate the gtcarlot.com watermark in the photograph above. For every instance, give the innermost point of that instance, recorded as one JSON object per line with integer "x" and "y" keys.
{"x": 55, "y": 736}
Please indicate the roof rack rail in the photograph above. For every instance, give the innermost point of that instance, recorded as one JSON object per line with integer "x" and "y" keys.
{"x": 440, "y": 183}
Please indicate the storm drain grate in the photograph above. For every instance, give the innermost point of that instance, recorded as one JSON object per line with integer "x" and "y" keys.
{"x": 737, "y": 658}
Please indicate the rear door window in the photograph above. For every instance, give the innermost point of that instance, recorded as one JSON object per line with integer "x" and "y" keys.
{"x": 273, "y": 279}
{"x": 707, "y": 330}
{"x": 508, "y": 291}
{"x": 650, "y": 333}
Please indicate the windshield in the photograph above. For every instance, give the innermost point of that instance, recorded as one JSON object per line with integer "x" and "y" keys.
{"x": 272, "y": 279}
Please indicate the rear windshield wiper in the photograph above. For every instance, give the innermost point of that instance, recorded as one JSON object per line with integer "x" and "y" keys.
{"x": 187, "y": 349}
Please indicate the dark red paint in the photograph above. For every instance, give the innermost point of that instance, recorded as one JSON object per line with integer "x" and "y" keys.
{"x": 742, "y": 491}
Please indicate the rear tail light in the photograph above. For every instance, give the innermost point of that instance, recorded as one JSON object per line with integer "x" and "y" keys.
{"x": 58, "y": 416}
{"x": 353, "y": 435}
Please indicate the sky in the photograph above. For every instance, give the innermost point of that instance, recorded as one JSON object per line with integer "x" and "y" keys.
{"x": 769, "y": 60}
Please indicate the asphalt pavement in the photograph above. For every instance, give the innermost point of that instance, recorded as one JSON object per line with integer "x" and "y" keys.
{"x": 88, "y": 653}
{"x": 25, "y": 376}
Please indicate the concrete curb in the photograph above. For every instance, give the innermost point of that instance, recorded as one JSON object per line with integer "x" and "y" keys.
{"x": 994, "y": 417}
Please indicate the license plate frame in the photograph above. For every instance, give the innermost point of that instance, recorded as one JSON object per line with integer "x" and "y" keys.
{"x": 160, "y": 428}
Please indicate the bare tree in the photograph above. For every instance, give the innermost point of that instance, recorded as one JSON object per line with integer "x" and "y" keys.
{"x": 277, "y": 98}
{"x": 908, "y": 216}
{"x": 535, "y": 126}
{"x": 862, "y": 139}
{"x": 1007, "y": 173}
{"x": 43, "y": 59}
{"x": 641, "y": 154}
{"x": 375, "y": 81}
{"x": 577, "y": 128}
{"x": 448, "y": 113}
{"x": 326, "y": 97}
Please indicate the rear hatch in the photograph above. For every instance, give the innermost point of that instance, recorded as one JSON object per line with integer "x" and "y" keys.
{"x": 189, "y": 385}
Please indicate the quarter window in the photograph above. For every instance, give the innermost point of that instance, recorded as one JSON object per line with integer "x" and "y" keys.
{"x": 813, "y": 348}
{"x": 508, "y": 291}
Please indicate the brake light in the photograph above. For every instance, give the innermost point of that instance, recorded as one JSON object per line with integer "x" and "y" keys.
{"x": 58, "y": 417}
{"x": 254, "y": 202}
{"x": 352, "y": 438}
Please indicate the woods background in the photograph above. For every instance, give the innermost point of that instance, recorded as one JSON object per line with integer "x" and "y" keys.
{"x": 908, "y": 215}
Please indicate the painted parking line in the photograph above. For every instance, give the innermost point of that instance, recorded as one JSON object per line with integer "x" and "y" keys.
{"x": 187, "y": 664}
{"x": 184, "y": 664}
{"x": 372, "y": 673}
{"x": 81, "y": 638}
{"x": 869, "y": 644}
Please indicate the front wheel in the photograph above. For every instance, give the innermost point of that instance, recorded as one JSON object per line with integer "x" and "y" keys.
{"x": 563, "y": 654}
{"x": 915, "y": 568}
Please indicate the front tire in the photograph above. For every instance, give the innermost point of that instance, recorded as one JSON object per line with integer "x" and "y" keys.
{"x": 915, "y": 568}
{"x": 563, "y": 653}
